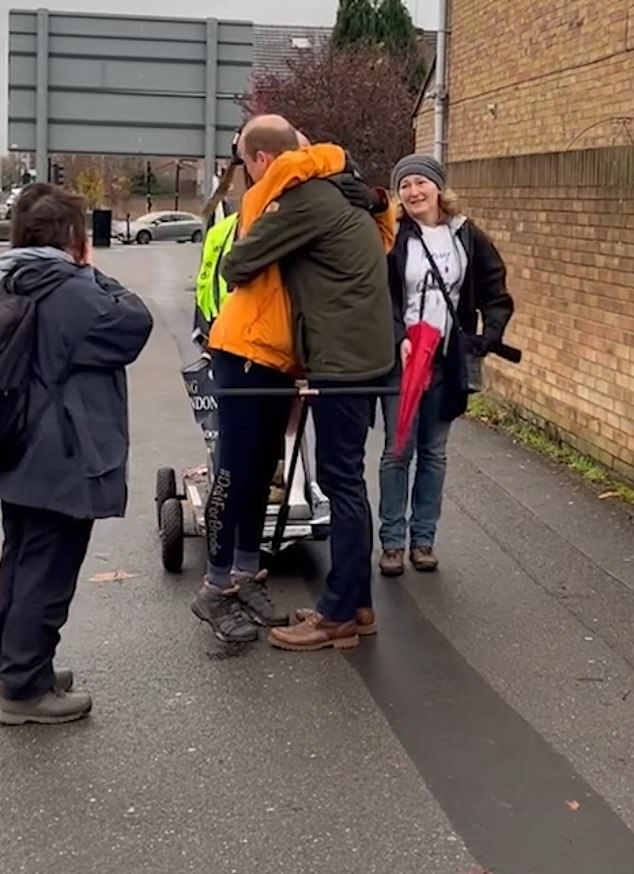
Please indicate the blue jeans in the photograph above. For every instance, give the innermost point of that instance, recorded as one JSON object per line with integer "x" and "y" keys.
{"x": 341, "y": 426}
{"x": 429, "y": 442}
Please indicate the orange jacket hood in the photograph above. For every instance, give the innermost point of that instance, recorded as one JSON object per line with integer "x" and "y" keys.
{"x": 287, "y": 171}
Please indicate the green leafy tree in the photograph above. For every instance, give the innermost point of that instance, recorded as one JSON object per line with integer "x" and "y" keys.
{"x": 384, "y": 24}
{"x": 397, "y": 34}
{"x": 395, "y": 28}
{"x": 356, "y": 23}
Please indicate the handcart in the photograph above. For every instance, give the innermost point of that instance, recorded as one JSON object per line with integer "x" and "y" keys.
{"x": 297, "y": 510}
{"x": 289, "y": 519}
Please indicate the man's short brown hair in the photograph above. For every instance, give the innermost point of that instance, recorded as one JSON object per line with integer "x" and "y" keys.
{"x": 29, "y": 195}
{"x": 272, "y": 140}
{"x": 47, "y": 216}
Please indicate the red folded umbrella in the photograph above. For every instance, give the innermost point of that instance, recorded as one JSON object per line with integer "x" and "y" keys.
{"x": 415, "y": 380}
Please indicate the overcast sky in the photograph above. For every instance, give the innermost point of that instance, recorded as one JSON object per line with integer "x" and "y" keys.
{"x": 260, "y": 11}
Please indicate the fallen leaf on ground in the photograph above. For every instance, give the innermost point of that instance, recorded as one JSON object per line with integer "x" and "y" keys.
{"x": 112, "y": 577}
{"x": 573, "y": 805}
{"x": 606, "y": 495}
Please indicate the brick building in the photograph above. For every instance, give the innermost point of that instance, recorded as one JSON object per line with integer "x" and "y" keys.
{"x": 540, "y": 141}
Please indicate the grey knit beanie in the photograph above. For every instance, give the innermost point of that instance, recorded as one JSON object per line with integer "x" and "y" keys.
{"x": 419, "y": 165}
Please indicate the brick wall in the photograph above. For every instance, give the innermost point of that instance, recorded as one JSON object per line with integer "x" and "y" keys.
{"x": 564, "y": 224}
{"x": 547, "y": 76}
{"x": 425, "y": 129}
{"x": 540, "y": 141}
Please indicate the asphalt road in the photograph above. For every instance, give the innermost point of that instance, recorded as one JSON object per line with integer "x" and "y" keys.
{"x": 488, "y": 727}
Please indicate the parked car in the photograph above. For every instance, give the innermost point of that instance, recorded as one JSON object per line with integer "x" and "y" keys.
{"x": 11, "y": 199}
{"x": 178, "y": 226}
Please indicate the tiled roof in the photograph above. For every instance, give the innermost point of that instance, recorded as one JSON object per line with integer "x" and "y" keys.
{"x": 427, "y": 87}
{"x": 275, "y": 46}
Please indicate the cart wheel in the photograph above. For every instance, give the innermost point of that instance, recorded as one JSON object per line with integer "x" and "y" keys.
{"x": 172, "y": 535}
{"x": 165, "y": 489}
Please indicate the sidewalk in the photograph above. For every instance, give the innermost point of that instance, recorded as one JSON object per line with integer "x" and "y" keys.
{"x": 488, "y": 727}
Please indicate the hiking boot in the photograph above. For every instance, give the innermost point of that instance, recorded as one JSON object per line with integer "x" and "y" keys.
{"x": 254, "y": 596}
{"x": 222, "y": 609}
{"x": 64, "y": 681}
{"x": 51, "y": 709}
{"x": 423, "y": 559}
{"x": 315, "y": 633}
{"x": 365, "y": 619}
{"x": 392, "y": 563}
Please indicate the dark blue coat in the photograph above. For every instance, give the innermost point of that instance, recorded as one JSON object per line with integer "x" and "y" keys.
{"x": 89, "y": 329}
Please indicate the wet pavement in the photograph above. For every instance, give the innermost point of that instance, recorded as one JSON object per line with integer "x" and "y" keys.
{"x": 488, "y": 728}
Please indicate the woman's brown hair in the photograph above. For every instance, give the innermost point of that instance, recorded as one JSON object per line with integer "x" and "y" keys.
{"x": 47, "y": 216}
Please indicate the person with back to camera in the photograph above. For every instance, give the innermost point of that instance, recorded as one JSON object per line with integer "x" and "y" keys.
{"x": 63, "y": 438}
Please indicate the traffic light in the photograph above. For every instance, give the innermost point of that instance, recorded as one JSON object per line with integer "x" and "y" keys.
{"x": 149, "y": 181}
{"x": 59, "y": 176}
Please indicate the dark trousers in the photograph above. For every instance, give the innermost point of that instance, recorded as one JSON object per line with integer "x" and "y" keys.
{"x": 251, "y": 436}
{"x": 42, "y": 554}
{"x": 341, "y": 425}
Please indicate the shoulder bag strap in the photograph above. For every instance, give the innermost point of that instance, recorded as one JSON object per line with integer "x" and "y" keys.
{"x": 442, "y": 285}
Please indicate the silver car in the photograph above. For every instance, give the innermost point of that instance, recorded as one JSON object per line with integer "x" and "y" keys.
{"x": 178, "y": 226}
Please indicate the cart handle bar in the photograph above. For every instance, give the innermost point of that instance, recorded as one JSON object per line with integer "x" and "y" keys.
{"x": 509, "y": 353}
{"x": 305, "y": 391}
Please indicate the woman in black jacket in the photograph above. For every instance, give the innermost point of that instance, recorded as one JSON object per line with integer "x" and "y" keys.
{"x": 71, "y": 465}
{"x": 434, "y": 242}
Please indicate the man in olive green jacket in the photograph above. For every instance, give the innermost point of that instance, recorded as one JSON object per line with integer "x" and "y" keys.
{"x": 334, "y": 267}
{"x": 326, "y": 236}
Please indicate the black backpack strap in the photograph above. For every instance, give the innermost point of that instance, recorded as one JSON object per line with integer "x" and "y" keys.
{"x": 55, "y": 390}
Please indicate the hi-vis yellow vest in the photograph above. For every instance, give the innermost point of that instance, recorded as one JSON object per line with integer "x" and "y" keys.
{"x": 211, "y": 288}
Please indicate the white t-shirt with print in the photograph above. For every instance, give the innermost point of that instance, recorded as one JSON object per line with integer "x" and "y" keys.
{"x": 425, "y": 301}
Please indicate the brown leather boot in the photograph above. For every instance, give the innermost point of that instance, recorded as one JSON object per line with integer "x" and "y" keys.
{"x": 315, "y": 633}
{"x": 423, "y": 559}
{"x": 365, "y": 619}
{"x": 392, "y": 563}
{"x": 366, "y": 622}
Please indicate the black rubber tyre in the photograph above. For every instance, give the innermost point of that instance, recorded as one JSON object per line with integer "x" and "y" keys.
{"x": 197, "y": 237}
{"x": 144, "y": 238}
{"x": 172, "y": 535}
{"x": 165, "y": 489}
